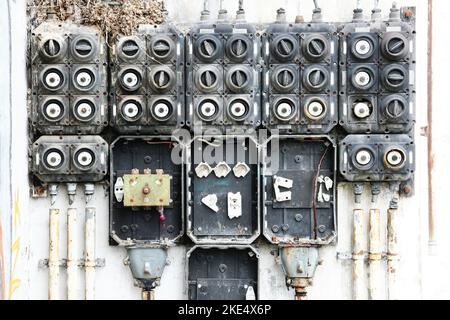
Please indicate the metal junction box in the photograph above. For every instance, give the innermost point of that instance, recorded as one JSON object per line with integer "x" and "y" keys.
{"x": 377, "y": 158}
{"x": 223, "y": 78}
{"x": 222, "y": 190}
{"x": 147, "y": 81}
{"x": 146, "y": 187}
{"x": 300, "y": 77}
{"x": 222, "y": 273}
{"x": 377, "y": 83}
{"x": 69, "y": 158}
{"x": 69, "y": 88}
{"x": 299, "y": 190}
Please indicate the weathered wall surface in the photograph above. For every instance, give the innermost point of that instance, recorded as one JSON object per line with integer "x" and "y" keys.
{"x": 25, "y": 221}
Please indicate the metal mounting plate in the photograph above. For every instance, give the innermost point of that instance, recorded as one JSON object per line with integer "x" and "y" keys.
{"x": 136, "y": 186}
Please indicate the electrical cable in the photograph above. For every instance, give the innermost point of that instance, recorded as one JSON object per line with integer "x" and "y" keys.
{"x": 314, "y": 200}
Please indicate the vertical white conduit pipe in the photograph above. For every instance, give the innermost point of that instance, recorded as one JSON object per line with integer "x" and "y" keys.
{"x": 71, "y": 260}
{"x": 90, "y": 254}
{"x": 392, "y": 253}
{"x": 358, "y": 255}
{"x": 375, "y": 253}
{"x": 53, "y": 257}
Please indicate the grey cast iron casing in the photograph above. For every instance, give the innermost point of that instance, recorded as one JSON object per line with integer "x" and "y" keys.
{"x": 223, "y": 78}
{"x": 69, "y": 79}
{"x": 300, "y": 77}
{"x": 69, "y": 158}
{"x": 377, "y": 158}
{"x": 307, "y": 218}
{"x": 377, "y": 77}
{"x": 142, "y": 226}
{"x": 147, "y": 81}
{"x": 222, "y": 273}
{"x": 204, "y": 225}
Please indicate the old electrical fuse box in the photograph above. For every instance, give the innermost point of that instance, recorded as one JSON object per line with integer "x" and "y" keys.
{"x": 69, "y": 79}
{"x": 377, "y": 75}
{"x": 223, "y": 76}
{"x": 377, "y": 158}
{"x": 222, "y": 273}
{"x": 148, "y": 81}
{"x": 300, "y": 76}
{"x": 222, "y": 198}
{"x": 146, "y": 190}
{"x": 299, "y": 190}
{"x": 70, "y": 158}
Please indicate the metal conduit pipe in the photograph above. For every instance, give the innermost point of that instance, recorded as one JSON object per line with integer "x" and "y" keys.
{"x": 89, "y": 261}
{"x": 53, "y": 257}
{"x": 71, "y": 260}
{"x": 375, "y": 253}
{"x": 358, "y": 255}
{"x": 393, "y": 257}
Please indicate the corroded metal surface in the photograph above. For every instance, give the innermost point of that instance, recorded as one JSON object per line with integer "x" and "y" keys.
{"x": 375, "y": 255}
{"x": 147, "y": 190}
{"x": 53, "y": 258}
{"x": 359, "y": 286}
{"x": 393, "y": 255}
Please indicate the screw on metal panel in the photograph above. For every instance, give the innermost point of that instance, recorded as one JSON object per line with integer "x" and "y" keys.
{"x": 147, "y": 159}
{"x": 223, "y": 268}
{"x": 298, "y": 217}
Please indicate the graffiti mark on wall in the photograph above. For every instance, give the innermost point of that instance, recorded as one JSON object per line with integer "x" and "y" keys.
{"x": 15, "y": 281}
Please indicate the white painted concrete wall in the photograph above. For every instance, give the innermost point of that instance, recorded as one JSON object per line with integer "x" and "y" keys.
{"x": 421, "y": 276}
